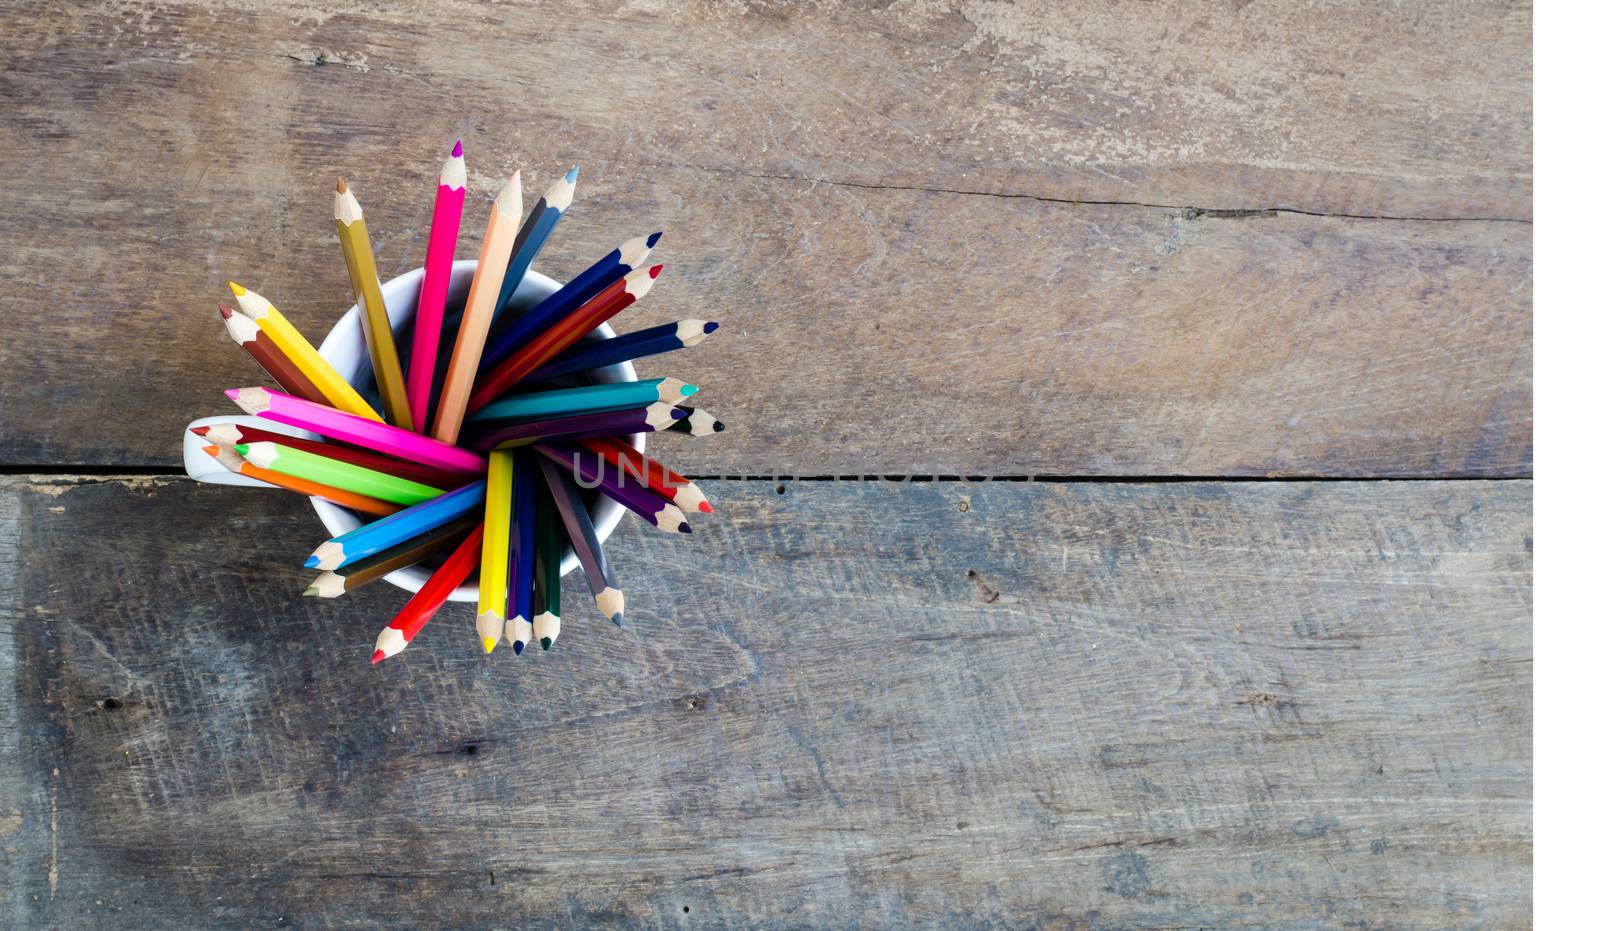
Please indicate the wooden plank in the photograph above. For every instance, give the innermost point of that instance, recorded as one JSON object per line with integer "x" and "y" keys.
{"x": 1242, "y": 704}
{"x": 878, "y": 320}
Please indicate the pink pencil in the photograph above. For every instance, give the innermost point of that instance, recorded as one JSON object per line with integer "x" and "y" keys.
{"x": 349, "y": 428}
{"x": 447, "y": 203}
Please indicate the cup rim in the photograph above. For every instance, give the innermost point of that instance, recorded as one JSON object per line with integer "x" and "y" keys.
{"x": 344, "y": 348}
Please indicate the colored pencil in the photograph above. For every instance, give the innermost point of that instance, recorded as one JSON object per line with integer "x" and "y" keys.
{"x": 447, "y": 203}
{"x": 625, "y": 348}
{"x": 347, "y": 428}
{"x": 580, "y": 426}
{"x": 234, "y": 462}
{"x": 535, "y": 232}
{"x": 301, "y": 354}
{"x": 580, "y": 534}
{"x": 621, "y": 456}
{"x": 519, "y": 575}
{"x": 699, "y": 423}
{"x": 315, "y": 468}
{"x": 630, "y": 493}
{"x": 402, "y": 525}
{"x": 428, "y": 599}
{"x": 349, "y": 577}
{"x": 231, "y": 434}
{"x": 496, "y": 547}
{"x": 479, "y": 310}
{"x": 542, "y": 348}
{"x": 588, "y": 399}
{"x": 569, "y": 297}
{"x": 550, "y": 543}
{"x": 351, "y": 225}
{"x": 247, "y": 333}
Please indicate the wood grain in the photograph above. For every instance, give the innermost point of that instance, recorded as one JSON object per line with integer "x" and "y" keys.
{"x": 912, "y": 189}
{"x": 881, "y": 704}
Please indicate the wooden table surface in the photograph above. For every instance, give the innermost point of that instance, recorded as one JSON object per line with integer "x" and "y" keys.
{"x": 1244, "y": 288}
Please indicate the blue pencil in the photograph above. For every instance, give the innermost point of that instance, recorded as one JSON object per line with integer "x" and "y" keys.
{"x": 625, "y": 348}
{"x": 536, "y": 230}
{"x": 574, "y": 294}
{"x": 396, "y": 528}
{"x": 519, "y": 578}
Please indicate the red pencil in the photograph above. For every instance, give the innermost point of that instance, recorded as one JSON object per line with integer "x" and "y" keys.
{"x": 621, "y": 456}
{"x": 544, "y": 347}
{"x": 232, "y": 434}
{"x": 427, "y": 601}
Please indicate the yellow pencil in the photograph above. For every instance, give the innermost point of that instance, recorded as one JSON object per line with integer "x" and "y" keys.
{"x": 301, "y": 354}
{"x": 363, "y": 268}
{"x": 496, "y": 547}
{"x": 479, "y": 312}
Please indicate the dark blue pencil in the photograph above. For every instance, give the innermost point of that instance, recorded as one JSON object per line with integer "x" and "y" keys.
{"x": 574, "y": 294}
{"x": 519, "y": 577}
{"x": 625, "y": 348}
{"x": 535, "y": 232}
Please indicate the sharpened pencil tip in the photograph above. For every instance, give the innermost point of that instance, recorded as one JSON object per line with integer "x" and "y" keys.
{"x": 225, "y": 311}
{"x": 311, "y": 591}
{"x": 377, "y": 657}
{"x": 341, "y": 187}
{"x": 685, "y": 528}
{"x": 237, "y": 288}
{"x": 718, "y": 427}
{"x": 488, "y": 644}
{"x": 456, "y": 152}
{"x": 232, "y": 393}
{"x": 705, "y": 507}
{"x": 687, "y": 390}
{"x": 572, "y": 176}
{"x": 517, "y": 646}
{"x": 545, "y": 642}
{"x": 617, "y": 619}
{"x": 652, "y": 239}
{"x": 516, "y": 179}
{"x": 199, "y": 431}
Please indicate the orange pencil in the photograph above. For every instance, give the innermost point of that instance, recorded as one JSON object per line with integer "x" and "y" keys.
{"x": 234, "y": 462}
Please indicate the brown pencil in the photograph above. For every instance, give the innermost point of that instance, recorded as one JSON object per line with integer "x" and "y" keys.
{"x": 247, "y": 333}
{"x": 336, "y": 582}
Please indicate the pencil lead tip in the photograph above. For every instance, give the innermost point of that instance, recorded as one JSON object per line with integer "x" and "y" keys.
{"x": 232, "y": 393}
{"x": 237, "y": 288}
{"x": 488, "y": 644}
{"x": 517, "y": 646}
{"x": 655, "y": 271}
{"x": 341, "y": 187}
{"x": 225, "y": 311}
{"x": 711, "y": 326}
{"x": 545, "y": 642}
{"x": 311, "y": 591}
{"x": 456, "y": 152}
{"x": 688, "y": 390}
{"x": 377, "y": 657}
{"x": 685, "y": 528}
{"x": 199, "y": 431}
{"x": 705, "y": 507}
{"x": 677, "y": 413}
{"x": 617, "y": 619}
{"x": 516, "y": 179}
{"x": 572, "y": 176}
{"x": 652, "y": 239}
{"x": 718, "y": 427}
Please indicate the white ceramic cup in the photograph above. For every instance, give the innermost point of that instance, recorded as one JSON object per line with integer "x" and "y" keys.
{"x": 345, "y": 348}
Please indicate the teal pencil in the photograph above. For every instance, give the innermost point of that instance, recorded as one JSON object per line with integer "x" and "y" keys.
{"x": 589, "y": 399}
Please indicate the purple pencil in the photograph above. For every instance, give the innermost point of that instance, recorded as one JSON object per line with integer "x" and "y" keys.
{"x": 657, "y": 416}
{"x": 591, "y": 471}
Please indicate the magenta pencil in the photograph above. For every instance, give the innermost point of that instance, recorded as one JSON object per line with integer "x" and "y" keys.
{"x": 447, "y": 203}
{"x": 374, "y": 435}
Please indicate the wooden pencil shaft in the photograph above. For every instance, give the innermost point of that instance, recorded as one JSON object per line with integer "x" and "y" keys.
{"x": 379, "y": 535}
{"x": 356, "y": 245}
{"x": 524, "y": 518}
{"x": 338, "y": 474}
{"x": 533, "y": 235}
{"x": 436, "y": 272}
{"x": 496, "y": 536}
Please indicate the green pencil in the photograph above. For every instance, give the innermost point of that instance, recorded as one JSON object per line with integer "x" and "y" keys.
{"x": 354, "y": 478}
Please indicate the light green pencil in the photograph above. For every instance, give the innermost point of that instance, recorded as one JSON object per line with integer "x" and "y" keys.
{"x": 354, "y": 478}
{"x": 590, "y": 399}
